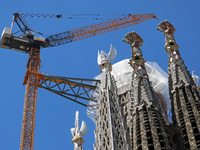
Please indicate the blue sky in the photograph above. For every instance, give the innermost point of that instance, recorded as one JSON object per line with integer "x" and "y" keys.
{"x": 55, "y": 115}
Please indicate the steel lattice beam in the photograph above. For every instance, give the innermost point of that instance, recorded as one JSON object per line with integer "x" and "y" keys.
{"x": 92, "y": 30}
{"x": 77, "y": 90}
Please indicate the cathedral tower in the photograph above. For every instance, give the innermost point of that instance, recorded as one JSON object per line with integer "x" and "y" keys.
{"x": 144, "y": 122}
{"x": 183, "y": 91}
{"x": 110, "y": 132}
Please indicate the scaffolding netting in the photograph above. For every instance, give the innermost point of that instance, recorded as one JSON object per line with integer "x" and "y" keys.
{"x": 122, "y": 72}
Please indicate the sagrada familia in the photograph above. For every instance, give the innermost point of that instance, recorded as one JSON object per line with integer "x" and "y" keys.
{"x": 133, "y": 120}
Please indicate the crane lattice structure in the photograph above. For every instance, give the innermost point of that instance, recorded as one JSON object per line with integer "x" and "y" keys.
{"x": 28, "y": 43}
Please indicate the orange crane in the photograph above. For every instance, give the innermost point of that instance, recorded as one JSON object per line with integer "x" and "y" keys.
{"x": 30, "y": 44}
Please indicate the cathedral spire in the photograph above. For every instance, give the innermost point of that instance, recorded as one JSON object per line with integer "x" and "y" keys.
{"x": 110, "y": 133}
{"x": 183, "y": 91}
{"x": 174, "y": 56}
{"x": 146, "y": 126}
{"x": 137, "y": 62}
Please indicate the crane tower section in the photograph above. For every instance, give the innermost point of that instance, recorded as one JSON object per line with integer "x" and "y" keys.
{"x": 28, "y": 122}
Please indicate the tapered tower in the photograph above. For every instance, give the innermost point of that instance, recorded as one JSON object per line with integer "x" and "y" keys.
{"x": 110, "y": 131}
{"x": 183, "y": 91}
{"x": 146, "y": 126}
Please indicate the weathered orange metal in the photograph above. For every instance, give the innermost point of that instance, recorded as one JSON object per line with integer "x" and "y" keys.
{"x": 104, "y": 27}
{"x": 28, "y": 122}
{"x": 93, "y": 30}
{"x": 40, "y": 76}
{"x": 28, "y": 73}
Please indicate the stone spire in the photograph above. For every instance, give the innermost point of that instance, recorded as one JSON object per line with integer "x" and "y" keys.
{"x": 183, "y": 91}
{"x": 146, "y": 126}
{"x": 78, "y": 133}
{"x": 110, "y": 132}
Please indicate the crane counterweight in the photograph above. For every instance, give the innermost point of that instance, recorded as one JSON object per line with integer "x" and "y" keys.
{"x": 21, "y": 44}
{"x": 6, "y": 34}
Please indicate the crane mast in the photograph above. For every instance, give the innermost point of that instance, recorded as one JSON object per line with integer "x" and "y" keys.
{"x": 31, "y": 45}
{"x": 28, "y": 122}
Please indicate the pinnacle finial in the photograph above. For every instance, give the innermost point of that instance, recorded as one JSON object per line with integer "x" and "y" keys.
{"x": 78, "y": 133}
{"x": 133, "y": 39}
{"x": 170, "y": 44}
{"x": 166, "y": 27}
{"x": 104, "y": 59}
{"x": 137, "y": 61}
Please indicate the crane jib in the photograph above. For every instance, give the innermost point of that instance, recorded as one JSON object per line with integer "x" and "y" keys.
{"x": 92, "y": 30}
{"x": 27, "y": 40}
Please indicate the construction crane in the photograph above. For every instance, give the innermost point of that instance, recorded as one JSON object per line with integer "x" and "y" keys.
{"x": 28, "y": 43}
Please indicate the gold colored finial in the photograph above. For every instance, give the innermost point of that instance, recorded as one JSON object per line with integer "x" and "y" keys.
{"x": 137, "y": 61}
{"x": 133, "y": 39}
{"x": 77, "y": 138}
{"x": 135, "y": 42}
{"x": 104, "y": 65}
{"x": 168, "y": 29}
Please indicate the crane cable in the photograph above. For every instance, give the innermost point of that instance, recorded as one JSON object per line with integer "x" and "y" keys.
{"x": 74, "y": 16}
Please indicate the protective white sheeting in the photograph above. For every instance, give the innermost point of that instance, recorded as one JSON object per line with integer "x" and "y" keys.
{"x": 195, "y": 78}
{"x": 122, "y": 72}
